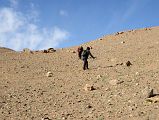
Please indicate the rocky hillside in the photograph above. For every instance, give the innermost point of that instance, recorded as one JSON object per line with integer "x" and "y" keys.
{"x": 122, "y": 83}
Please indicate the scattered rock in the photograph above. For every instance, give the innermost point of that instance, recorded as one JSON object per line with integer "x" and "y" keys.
{"x": 128, "y": 63}
{"x": 115, "y": 82}
{"x": 137, "y": 73}
{"x": 66, "y": 65}
{"x": 137, "y": 84}
{"x": 147, "y": 92}
{"x": 50, "y": 50}
{"x": 64, "y": 118}
{"x": 99, "y": 76}
{"x": 49, "y": 74}
{"x": 119, "y": 33}
{"x": 88, "y": 87}
{"x": 46, "y": 118}
{"x": 130, "y": 30}
{"x": 88, "y": 106}
{"x": 22, "y": 66}
{"x": 45, "y": 51}
{"x": 73, "y": 51}
{"x": 122, "y": 42}
{"x": 141, "y": 113}
{"x": 150, "y": 94}
{"x": 147, "y": 29}
{"x": 107, "y": 89}
{"x": 119, "y": 64}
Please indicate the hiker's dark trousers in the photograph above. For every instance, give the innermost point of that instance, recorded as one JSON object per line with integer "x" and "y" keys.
{"x": 85, "y": 66}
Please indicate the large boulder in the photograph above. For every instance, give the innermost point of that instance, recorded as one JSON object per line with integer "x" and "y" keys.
{"x": 50, "y": 50}
{"x": 27, "y": 50}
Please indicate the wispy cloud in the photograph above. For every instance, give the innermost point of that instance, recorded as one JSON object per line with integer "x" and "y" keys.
{"x": 19, "y": 31}
{"x": 33, "y": 14}
{"x": 121, "y": 17}
{"x": 14, "y": 3}
{"x": 63, "y": 13}
{"x": 131, "y": 9}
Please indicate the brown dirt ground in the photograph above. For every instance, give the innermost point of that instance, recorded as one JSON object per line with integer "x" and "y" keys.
{"x": 26, "y": 93}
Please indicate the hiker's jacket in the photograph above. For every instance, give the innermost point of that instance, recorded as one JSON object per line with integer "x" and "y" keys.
{"x": 86, "y": 55}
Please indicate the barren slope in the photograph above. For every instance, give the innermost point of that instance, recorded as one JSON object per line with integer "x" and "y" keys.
{"x": 27, "y": 94}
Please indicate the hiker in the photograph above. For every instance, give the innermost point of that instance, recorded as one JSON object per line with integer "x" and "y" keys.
{"x": 85, "y": 55}
{"x": 80, "y": 50}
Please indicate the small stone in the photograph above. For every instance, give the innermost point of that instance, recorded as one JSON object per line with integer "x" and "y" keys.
{"x": 64, "y": 118}
{"x": 46, "y": 118}
{"x": 115, "y": 82}
{"x": 99, "y": 76}
{"x": 137, "y": 84}
{"x": 141, "y": 113}
{"x": 119, "y": 33}
{"x": 89, "y": 106}
{"x": 45, "y": 51}
{"x": 122, "y": 42}
{"x": 137, "y": 73}
{"x": 147, "y": 28}
{"x": 88, "y": 87}
{"x": 49, "y": 74}
{"x": 107, "y": 89}
{"x": 150, "y": 93}
{"x": 128, "y": 63}
{"x": 147, "y": 92}
{"x": 73, "y": 51}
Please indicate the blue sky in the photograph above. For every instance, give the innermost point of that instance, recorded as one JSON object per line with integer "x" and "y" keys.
{"x": 40, "y": 24}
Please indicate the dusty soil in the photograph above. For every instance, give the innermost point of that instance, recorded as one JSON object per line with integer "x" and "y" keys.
{"x": 120, "y": 91}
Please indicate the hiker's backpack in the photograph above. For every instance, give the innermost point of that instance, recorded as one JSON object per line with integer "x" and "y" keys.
{"x": 84, "y": 53}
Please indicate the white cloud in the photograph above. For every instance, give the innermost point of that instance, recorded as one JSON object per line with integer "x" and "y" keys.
{"x": 10, "y": 21}
{"x": 18, "y": 31}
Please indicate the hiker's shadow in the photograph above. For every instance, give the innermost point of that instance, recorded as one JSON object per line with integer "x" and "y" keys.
{"x": 96, "y": 68}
